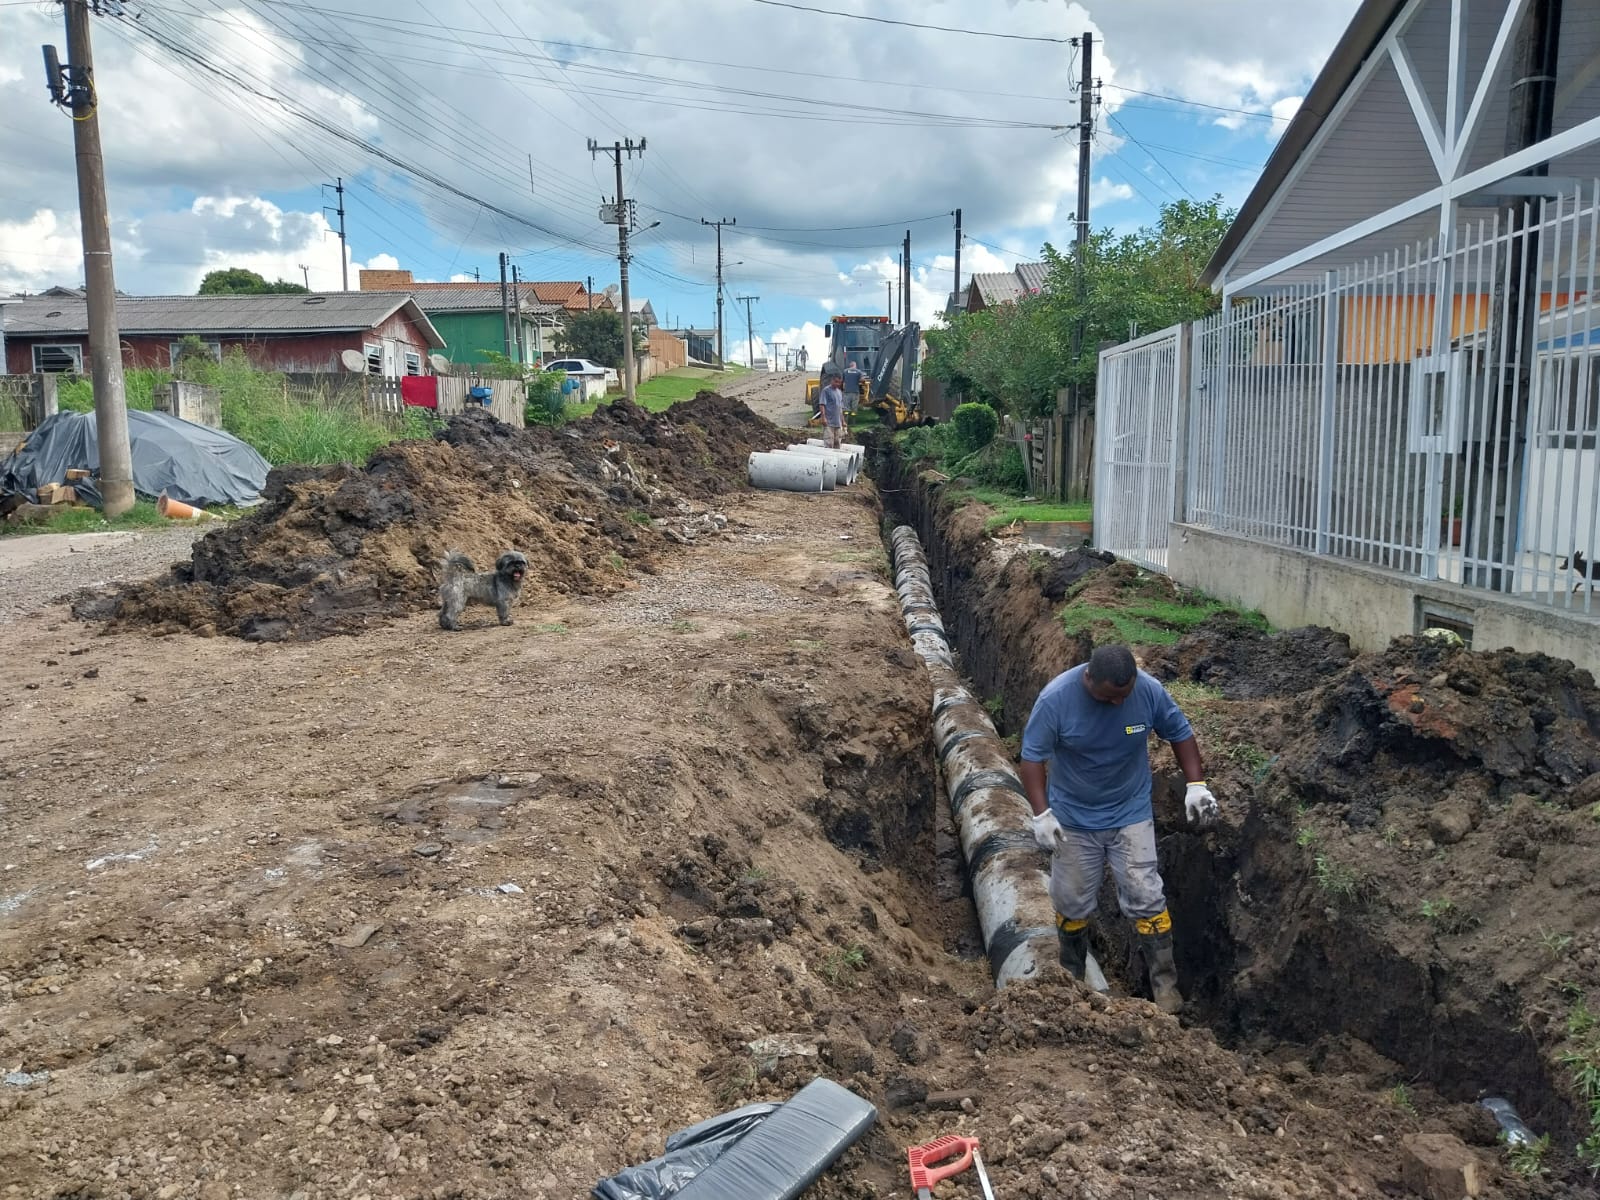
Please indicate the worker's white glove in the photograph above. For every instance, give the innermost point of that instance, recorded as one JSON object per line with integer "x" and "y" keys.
{"x": 1200, "y": 804}
{"x": 1046, "y": 830}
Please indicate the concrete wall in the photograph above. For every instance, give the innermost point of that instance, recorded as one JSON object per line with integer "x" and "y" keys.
{"x": 1292, "y": 587}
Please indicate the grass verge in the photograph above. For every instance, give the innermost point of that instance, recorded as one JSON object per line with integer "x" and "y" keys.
{"x": 72, "y": 519}
{"x": 1150, "y": 622}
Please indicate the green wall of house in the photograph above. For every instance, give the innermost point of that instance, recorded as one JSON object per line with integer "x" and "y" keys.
{"x": 468, "y": 335}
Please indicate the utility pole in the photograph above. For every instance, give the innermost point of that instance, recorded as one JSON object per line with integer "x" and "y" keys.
{"x": 305, "y": 273}
{"x": 905, "y": 305}
{"x": 475, "y": 277}
{"x": 717, "y": 225}
{"x": 888, "y": 299}
{"x": 624, "y": 221}
{"x": 749, "y": 330}
{"x": 344, "y": 257}
{"x": 588, "y": 286}
{"x": 505, "y": 303}
{"x": 74, "y": 88}
{"x": 1080, "y": 244}
{"x": 1530, "y": 120}
{"x": 516, "y": 310}
{"x": 955, "y": 292}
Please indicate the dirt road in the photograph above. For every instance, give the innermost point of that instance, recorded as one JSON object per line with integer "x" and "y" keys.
{"x": 466, "y": 916}
{"x": 779, "y": 396}
{"x": 37, "y": 568}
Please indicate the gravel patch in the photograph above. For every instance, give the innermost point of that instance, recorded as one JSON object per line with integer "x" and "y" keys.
{"x": 37, "y": 570}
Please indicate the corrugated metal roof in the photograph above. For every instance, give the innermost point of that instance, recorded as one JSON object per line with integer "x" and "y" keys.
{"x": 1033, "y": 276}
{"x": 997, "y": 287}
{"x": 476, "y": 297}
{"x": 241, "y": 316}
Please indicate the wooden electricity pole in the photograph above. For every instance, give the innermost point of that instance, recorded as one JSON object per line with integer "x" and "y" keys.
{"x": 78, "y": 93}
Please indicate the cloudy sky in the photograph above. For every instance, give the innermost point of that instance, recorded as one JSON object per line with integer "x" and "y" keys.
{"x": 461, "y": 129}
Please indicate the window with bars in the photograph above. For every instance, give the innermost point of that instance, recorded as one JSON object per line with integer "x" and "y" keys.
{"x": 374, "y": 358}
{"x": 413, "y": 363}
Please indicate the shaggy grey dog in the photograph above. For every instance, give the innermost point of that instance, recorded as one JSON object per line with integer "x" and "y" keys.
{"x": 464, "y": 584}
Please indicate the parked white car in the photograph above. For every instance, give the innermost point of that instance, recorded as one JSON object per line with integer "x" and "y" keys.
{"x": 579, "y": 366}
{"x": 593, "y": 378}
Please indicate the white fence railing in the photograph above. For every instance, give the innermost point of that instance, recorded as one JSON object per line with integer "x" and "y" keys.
{"x": 1434, "y": 411}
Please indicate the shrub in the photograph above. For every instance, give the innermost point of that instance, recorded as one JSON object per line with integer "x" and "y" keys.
{"x": 546, "y": 402}
{"x": 975, "y": 426}
{"x": 998, "y": 465}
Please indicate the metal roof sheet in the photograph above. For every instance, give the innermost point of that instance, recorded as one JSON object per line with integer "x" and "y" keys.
{"x": 477, "y": 297}
{"x": 244, "y": 316}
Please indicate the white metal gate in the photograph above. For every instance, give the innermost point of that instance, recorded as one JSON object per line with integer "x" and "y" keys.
{"x": 1141, "y": 388}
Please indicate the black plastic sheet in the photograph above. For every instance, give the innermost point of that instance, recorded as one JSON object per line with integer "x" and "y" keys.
{"x": 759, "y": 1152}
{"x": 191, "y": 463}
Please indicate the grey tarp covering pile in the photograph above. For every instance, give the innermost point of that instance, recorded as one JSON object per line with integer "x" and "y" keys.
{"x": 759, "y": 1152}
{"x": 192, "y": 463}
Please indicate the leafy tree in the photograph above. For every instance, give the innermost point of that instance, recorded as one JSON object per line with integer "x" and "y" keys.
{"x": 597, "y": 336}
{"x": 238, "y": 281}
{"x": 1018, "y": 356}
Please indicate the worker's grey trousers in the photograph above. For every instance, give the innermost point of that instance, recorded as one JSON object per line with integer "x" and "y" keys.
{"x": 1079, "y": 864}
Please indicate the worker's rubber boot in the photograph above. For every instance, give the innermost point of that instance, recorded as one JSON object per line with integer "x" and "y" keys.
{"x": 1073, "y": 938}
{"x": 1155, "y": 943}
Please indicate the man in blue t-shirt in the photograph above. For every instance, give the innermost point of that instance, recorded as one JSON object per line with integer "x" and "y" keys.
{"x": 1092, "y": 726}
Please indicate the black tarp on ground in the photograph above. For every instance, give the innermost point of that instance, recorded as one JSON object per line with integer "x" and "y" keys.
{"x": 189, "y": 462}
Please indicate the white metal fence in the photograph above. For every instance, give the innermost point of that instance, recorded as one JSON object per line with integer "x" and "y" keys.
{"x": 1434, "y": 410}
{"x": 1139, "y": 395}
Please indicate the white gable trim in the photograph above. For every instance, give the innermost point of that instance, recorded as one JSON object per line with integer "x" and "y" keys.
{"x": 1421, "y": 109}
{"x": 1480, "y": 97}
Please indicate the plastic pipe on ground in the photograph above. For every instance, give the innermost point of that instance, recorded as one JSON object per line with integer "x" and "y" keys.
{"x": 786, "y": 472}
{"x": 1007, "y": 869}
{"x": 847, "y": 466}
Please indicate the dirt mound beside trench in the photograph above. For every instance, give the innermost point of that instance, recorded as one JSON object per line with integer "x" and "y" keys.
{"x": 334, "y": 550}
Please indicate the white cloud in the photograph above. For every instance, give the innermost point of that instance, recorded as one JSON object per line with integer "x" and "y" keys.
{"x": 809, "y": 335}
{"x": 1286, "y": 108}
{"x": 1107, "y": 191}
{"x": 40, "y": 251}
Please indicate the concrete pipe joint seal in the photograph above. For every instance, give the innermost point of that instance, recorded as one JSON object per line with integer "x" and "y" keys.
{"x": 846, "y": 464}
{"x": 785, "y": 472}
{"x": 986, "y": 797}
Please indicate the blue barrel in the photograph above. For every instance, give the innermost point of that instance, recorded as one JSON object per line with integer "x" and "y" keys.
{"x": 482, "y": 395}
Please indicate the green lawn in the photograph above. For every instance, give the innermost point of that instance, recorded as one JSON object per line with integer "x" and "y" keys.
{"x": 72, "y": 519}
{"x": 662, "y": 392}
{"x": 1009, "y": 508}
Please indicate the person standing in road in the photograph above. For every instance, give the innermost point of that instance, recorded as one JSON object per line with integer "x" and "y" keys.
{"x": 852, "y": 387}
{"x": 1086, "y": 769}
{"x": 832, "y": 401}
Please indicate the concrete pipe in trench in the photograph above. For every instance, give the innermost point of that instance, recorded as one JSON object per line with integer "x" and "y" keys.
{"x": 987, "y": 800}
{"x": 785, "y": 472}
{"x": 843, "y": 460}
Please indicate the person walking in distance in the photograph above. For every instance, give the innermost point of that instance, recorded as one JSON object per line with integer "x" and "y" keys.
{"x": 832, "y": 401}
{"x": 1086, "y": 769}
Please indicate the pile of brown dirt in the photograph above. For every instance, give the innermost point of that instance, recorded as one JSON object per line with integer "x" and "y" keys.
{"x": 336, "y": 549}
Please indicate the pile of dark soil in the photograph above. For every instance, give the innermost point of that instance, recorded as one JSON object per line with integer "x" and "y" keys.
{"x": 334, "y": 549}
{"x": 1245, "y": 662}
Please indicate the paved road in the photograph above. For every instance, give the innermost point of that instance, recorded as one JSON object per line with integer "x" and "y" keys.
{"x": 779, "y": 396}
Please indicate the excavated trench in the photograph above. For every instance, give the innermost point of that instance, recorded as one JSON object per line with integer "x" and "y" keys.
{"x": 1278, "y": 963}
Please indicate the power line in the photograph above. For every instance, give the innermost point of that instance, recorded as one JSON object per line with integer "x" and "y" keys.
{"x": 829, "y": 12}
{"x": 1126, "y": 133}
{"x": 1243, "y": 112}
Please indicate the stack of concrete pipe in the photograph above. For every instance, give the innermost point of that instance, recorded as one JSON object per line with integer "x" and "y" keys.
{"x": 987, "y": 800}
{"x": 804, "y": 467}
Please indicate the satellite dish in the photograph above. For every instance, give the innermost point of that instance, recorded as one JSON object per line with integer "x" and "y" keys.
{"x": 612, "y": 290}
{"x": 439, "y": 363}
{"x": 354, "y": 361}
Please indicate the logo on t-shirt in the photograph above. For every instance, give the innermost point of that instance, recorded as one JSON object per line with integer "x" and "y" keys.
{"x": 1130, "y": 730}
